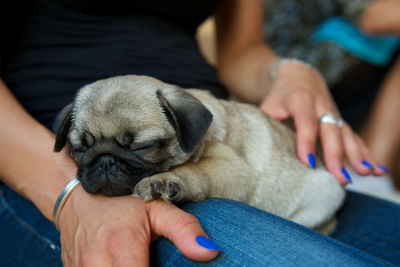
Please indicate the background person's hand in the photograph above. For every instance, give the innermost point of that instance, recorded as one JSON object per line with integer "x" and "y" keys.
{"x": 381, "y": 17}
{"x": 117, "y": 231}
{"x": 301, "y": 93}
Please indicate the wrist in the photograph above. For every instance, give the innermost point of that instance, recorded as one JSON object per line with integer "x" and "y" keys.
{"x": 44, "y": 189}
{"x": 284, "y": 65}
{"x": 78, "y": 203}
{"x": 62, "y": 198}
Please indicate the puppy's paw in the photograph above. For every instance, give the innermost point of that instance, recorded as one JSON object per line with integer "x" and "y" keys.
{"x": 165, "y": 186}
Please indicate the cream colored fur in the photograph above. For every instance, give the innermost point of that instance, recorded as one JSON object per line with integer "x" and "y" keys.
{"x": 250, "y": 157}
{"x": 244, "y": 155}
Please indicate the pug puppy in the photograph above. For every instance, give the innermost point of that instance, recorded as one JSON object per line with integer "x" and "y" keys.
{"x": 137, "y": 135}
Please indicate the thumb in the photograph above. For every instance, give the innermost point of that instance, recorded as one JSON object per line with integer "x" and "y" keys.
{"x": 182, "y": 229}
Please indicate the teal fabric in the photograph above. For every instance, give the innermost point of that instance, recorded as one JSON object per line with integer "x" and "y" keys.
{"x": 376, "y": 50}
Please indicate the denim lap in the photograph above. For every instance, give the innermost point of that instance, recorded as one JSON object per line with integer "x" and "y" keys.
{"x": 26, "y": 237}
{"x": 246, "y": 235}
{"x": 250, "y": 237}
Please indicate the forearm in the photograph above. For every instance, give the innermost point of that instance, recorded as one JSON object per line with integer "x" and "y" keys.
{"x": 389, "y": 101}
{"x": 27, "y": 161}
{"x": 243, "y": 57}
{"x": 384, "y": 118}
{"x": 247, "y": 75}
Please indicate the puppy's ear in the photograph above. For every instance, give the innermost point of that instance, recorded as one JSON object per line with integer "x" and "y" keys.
{"x": 188, "y": 116}
{"x": 61, "y": 126}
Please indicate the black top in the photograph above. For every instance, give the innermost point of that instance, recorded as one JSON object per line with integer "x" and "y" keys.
{"x": 56, "y": 47}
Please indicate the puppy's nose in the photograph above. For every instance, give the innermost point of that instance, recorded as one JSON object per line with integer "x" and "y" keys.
{"x": 106, "y": 162}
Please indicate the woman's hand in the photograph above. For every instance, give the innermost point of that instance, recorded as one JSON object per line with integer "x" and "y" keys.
{"x": 244, "y": 60}
{"x": 301, "y": 93}
{"x": 117, "y": 231}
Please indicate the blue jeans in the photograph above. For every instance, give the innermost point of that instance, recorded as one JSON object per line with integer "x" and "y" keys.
{"x": 368, "y": 234}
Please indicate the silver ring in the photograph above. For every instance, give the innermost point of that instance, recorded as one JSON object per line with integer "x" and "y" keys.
{"x": 330, "y": 117}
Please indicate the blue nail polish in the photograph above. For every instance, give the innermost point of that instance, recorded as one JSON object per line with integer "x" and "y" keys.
{"x": 366, "y": 163}
{"x": 383, "y": 168}
{"x": 206, "y": 243}
{"x": 311, "y": 160}
{"x": 346, "y": 175}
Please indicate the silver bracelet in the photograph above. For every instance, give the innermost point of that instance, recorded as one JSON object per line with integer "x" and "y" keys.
{"x": 62, "y": 198}
{"x": 274, "y": 67}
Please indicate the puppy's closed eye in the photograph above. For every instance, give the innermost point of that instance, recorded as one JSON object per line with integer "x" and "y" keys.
{"x": 125, "y": 141}
{"x": 88, "y": 139}
{"x": 147, "y": 146}
{"x": 86, "y": 142}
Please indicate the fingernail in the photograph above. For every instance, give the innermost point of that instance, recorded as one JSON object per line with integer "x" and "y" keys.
{"x": 206, "y": 243}
{"x": 366, "y": 163}
{"x": 311, "y": 160}
{"x": 346, "y": 175}
{"x": 383, "y": 168}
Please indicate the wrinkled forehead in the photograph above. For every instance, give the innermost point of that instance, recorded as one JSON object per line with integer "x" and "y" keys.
{"x": 141, "y": 126}
{"x": 115, "y": 113}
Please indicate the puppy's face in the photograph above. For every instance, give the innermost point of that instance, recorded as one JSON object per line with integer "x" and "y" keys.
{"x": 126, "y": 128}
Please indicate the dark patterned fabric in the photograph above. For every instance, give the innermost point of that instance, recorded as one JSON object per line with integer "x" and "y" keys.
{"x": 290, "y": 23}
